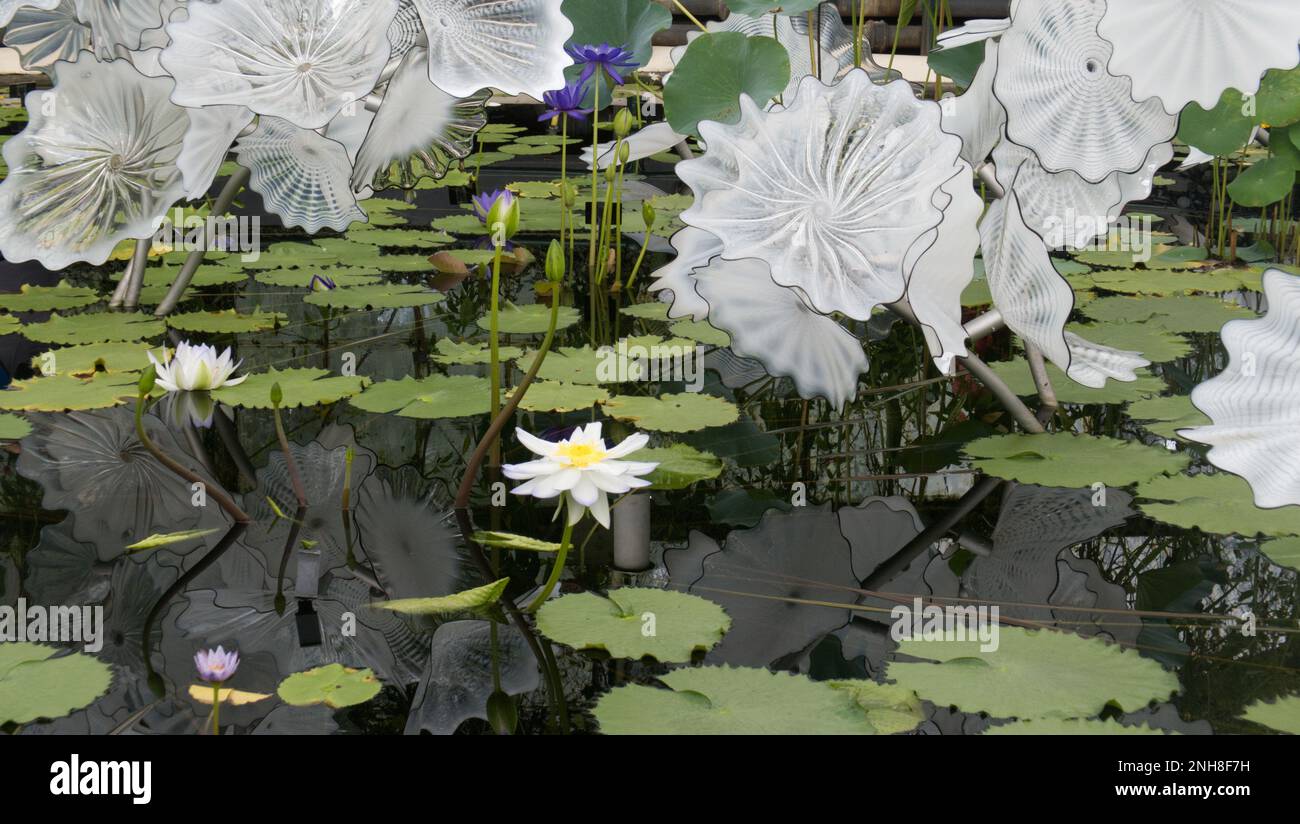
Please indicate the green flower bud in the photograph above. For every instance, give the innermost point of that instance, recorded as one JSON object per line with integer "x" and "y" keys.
{"x": 555, "y": 263}
{"x": 277, "y": 394}
{"x": 624, "y": 152}
{"x": 504, "y": 215}
{"x": 611, "y": 172}
{"x": 147, "y": 380}
{"x": 502, "y": 713}
{"x": 648, "y": 215}
{"x": 623, "y": 123}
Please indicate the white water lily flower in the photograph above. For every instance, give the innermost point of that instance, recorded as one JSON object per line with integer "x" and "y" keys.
{"x": 196, "y": 369}
{"x": 581, "y": 469}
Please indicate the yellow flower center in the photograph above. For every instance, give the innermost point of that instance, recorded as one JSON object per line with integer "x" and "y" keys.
{"x": 580, "y": 454}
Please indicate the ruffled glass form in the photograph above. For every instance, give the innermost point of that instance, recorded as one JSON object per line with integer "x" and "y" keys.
{"x": 43, "y": 36}
{"x": 1061, "y": 101}
{"x": 95, "y": 166}
{"x": 298, "y": 60}
{"x": 8, "y": 7}
{"x": 1185, "y": 51}
{"x": 419, "y": 131}
{"x": 516, "y": 46}
{"x": 1255, "y": 403}
{"x": 123, "y": 23}
{"x": 302, "y": 176}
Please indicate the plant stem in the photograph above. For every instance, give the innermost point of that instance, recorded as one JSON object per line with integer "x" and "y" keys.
{"x": 294, "y": 477}
{"x": 494, "y": 351}
{"x": 557, "y": 569}
{"x": 689, "y": 16}
{"x": 222, "y": 499}
{"x": 216, "y": 708}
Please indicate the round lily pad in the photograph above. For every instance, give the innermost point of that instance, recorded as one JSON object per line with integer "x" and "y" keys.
{"x": 36, "y": 684}
{"x": 532, "y": 319}
{"x": 47, "y": 298}
{"x": 1175, "y": 314}
{"x": 86, "y": 359}
{"x": 557, "y": 396}
{"x": 1282, "y": 715}
{"x": 635, "y": 623}
{"x": 1156, "y": 344}
{"x": 1164, "y": 416}
{"x": 715, "y": 71}
{"x": 99, "y": 327}
{"x": 400, "y": 238}
{"x": 1220, "y": 503}
{"x": 437, "y": 396}
{"x": 681, "y": 412}
{"x": 1016, "y": 374}
{"x": 655, "y": 310}
{"x": 1067, "y": 460}
{"x": 62, "y": 393}
{"x": 302, "y": 278}
{"x": 226, "y": 322}
{"x": 300, "y": 387}
{"x": 376, "y": 296}
{"x": 702, "y": 331}
{"x": 469, "y": 354}
{"x": 333, "y": 685}
{"x": 14, "y": 427}
{"x": 679, "y": 466}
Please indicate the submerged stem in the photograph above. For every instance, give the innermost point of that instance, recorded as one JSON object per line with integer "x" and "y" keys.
{"x": 557, "y": 569}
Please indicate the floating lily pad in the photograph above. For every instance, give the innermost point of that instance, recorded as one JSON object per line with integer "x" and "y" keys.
{"x": 401, "y": 238}
{"x": 226, "y": 322}
{"x": 1138, "y": 282}
{"x": 890, "y": 708}
{"x": 376, "y": 296}
{"x": 202, "y": 693}
{"x": 333, "y": 685}
{"x": 35, "y": 684}
{"x": 437, "y": 396}
{"x": 732, "y": 701}
{"x": 300, "y": 387}
{"x": 302, "y": 278}
{"x": 1164, "y": 416}
{"x": 529, "y": 150}
{"x": 211, "y": 274}
{"x": 386, "y": 212}
{"x": 14, "y": 428}
{"x": 635, "y": 623}
{"x": 324, "y": 253}
{"x": 99, "y": 327}
{"x": 1283, "y": 551}
{"x": 469, "y": 354}
{"x": 681, "y": 412}
{"x": 536, "y": 188}
{"x": 556, "y": 396}
{"x": 578, "y": 364}
{"x": 1032, "y": 674}
{"x": 89, "y": 358}
{"x": 1066, "y": 460}
{"x": 679, "y": 466}
{"x": 1175, "y": 314}
{"x": 1074, "y": 726}
{"x": 1016, "y": 374}
{"x": 1220, "y": 503}
{"x": 532, "y": 319}
{"x": 655, "y": 310}
{"x": 62, "y": 393}
{"x": 1156, "y": 344}
{"x": 701, "y": 331}
{"x": 48, "y": 298}
{"x": 1282, "y": 715}
{"x": 467, "y": 601}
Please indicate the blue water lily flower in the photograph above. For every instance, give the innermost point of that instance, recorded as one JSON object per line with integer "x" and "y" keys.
{"x": 615, "y": 61}
{"x": 566, "y": 101}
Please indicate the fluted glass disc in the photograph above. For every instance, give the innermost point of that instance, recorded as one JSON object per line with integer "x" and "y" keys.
{"x": 115, "y": 23}
{"x": 8, "y": 7}
{"x": 42, "y": 36}
{"x": 303, "y": 177}
{"x": 695, "y": 248}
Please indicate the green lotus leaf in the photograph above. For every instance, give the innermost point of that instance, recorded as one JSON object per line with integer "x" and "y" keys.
{"x": 635, "y": 623}
{"x": 509, "y": 540}
{"x": 14, "y": 427}
{"x": 100, "y": 327}
{"x": 1164, "y": 416}
{"x": 1175, "y": 314}
{"x": 715, "y": 71}
{"x": 333, "y": 685}
{"x": 1032, "y": 674}
{"x": 1156, "y": 344}
{"x": 437, "y": 396}
{"x": 376, "y": 296}
{"x": 1220, "y": 131}
{"x": 555, "y": 396}
{"x": 1016, "y": 374}
{"x": 467, "y": 601}
{"x": 469, "y": 354}
{"x": 62, "y": 393}
{"x": 226, "y": 322}
{"x": 679, "y": 466}
{"x": 1283, "y": 551}
{"x": 1264, "y": 183}
{"x": 1067, "y": 460}
{"x": 1220, "y": 503}
{"x": 532, "y": 319}
{"x": 681, "y": 412}
{"x": 959, "y": 64}
{"x": 35, "y": 684}
{"x": 727, "y": 701}
{"x": 1282, "y": 715}
{"x": 300, "y": 387}
{"x": 48, "y": 298}
{"x": 1074, "y": 726}
{"x": 1279, "y": 98}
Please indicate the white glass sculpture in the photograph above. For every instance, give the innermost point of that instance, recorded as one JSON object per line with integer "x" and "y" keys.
{"x": 8, "y": 7}
{"x": 302, "y": 177}
{"x": 1061, "y": 101}
{"x": 406, "y": 30}
{"x": 418, "y": 131}
{"x": 1092, "y": 364}
{"x": 95, "y": 166}
{"x": 695, "y": 248}
{"x": 771, "y": 324}
{"x": 1254, "y": 403}
{"x": 831, "y": 193}
{"x": 516, "y": 46}
{"x": 43, "y": 36}
{"x": 976, "y": 116}
{"x": 122, "y": 23}
{"x": 1184, "y": 51}
{"x": 298, "y": 60}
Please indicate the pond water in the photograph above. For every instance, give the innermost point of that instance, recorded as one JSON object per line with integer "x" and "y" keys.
{"x": 808, "y": 524}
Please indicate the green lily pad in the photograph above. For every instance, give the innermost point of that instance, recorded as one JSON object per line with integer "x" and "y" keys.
{"x": 1283, "y": 551}
{"x": 757, "y": 8}
{"x": 890, "y": 708}
{"x": 210, "y": 274}
{"x": 1156, "y": 344}
{"x": 48, "y": 298}
{"x": 1067, "y": 460}
{"x": 1016, "y": 374}
{"x": 63, "y": 393}
{"x": 1032, "y": 674}
{"x": 556, "y": 396}
{"x": 333, "y": 685}
{"x": 680, "y": 412}
{"x": 386, "y": 212}
{"x": 323, "y": 253}
{"x": 1282, "y": 715}
{"x": 572, "y": 364}
{"x": 300, "y": 387}
{"x": 466, "y": 601}
{"x": 1147, "y": 282}
{"x": 88, "y": 358}
{"x": 727, "y": 701}
{"x": 400, "y": 238}
{"x": 701, "y": 331}
{"x": 100, "y": 327}
{"x": 654, "y": 310}
{"x": 679, "y": 466}
{"x": 1164, "y": 416}
{"x": 437, "y": 396}
{"x": 470, "y": 354}
{"x": 536, "y": 188}
{"x": 35, "y": 684}
{"x": 529, "y": 150}
{"x": 636, "y": 623}
{"x": 1175, "y": 314}
{"x": 509, "y": 540}
{"x": 1074, "y": 726}
{"x": 301, "y": 278}
{"x": 226, "y": 322}
{"x": 532, "y": 319}
{"x": 14, "y": 427}
{"x": 715, "y": 71}
{"x": 1221, "y": 503}
{"x": 376, "y": 296}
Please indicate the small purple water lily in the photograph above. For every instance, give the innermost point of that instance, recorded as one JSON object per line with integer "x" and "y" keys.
{"x": 216, "y": 666}
{"x": 322, "y": 283}
{"x": 613, "y": 60}
{"x": 566, "y": 101}
{"x": 483, "y": 203}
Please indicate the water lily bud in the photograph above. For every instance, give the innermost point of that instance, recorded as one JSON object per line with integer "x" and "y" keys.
{"x": 502, "y": 713}
{"x": 624, "y": 153}
{"x": 277, "y": 394}
{"x": 611, "y": 173}
{"x": 147, "y": 380}
{"x": 623, "y": 123}
{"x": 648, "y": 214}
{"x": 505, "y": 214}
{"x": 555, "y": 263}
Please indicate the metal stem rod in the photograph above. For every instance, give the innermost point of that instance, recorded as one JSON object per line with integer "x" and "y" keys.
{"x": 233, "y": 186}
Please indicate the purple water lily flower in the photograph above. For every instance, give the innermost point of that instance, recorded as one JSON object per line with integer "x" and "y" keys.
{"x": 613, "y": 60}
{"x": 483, "y": 203}
{"x": 216, "y": 666}
{"x": 321, "y": 283}
{"x": 566, "y": 101}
